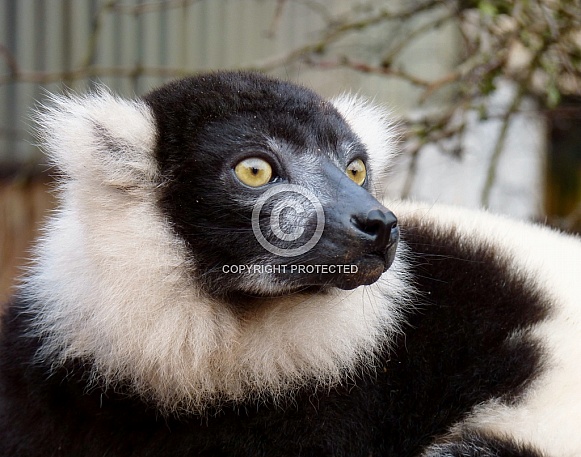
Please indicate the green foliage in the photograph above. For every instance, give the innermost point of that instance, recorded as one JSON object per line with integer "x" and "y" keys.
{"x": 487, "y": 7}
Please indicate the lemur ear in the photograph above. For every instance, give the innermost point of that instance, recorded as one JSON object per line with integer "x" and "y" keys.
{"x": 100, "y": 138}
{"x": 376, "y": 128}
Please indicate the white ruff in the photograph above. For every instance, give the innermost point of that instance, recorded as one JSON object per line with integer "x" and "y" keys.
{"x": 111, "y": 285}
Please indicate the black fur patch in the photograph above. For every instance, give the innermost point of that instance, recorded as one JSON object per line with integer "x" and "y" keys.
{"x": 460, "y": 347}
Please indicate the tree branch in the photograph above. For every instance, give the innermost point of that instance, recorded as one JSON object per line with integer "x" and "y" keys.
{"x": 499, "y": 148}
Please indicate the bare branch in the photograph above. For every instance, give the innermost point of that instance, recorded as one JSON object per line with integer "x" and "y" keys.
{"x": 407, "y": 39}
{"x": 150, "y": 6}
{"x": 499, "y": 148}
{"x": 44, "y": 77}
{"x": 345, "y": 62}
{"x": 276, "y": 18}
{"x": 317, "y": 8}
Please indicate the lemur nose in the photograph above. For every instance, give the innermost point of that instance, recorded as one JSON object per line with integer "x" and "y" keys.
{"x": 378, "y": 226}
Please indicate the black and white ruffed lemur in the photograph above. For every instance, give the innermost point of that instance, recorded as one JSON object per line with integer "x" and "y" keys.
{"x": 172, "y": 311}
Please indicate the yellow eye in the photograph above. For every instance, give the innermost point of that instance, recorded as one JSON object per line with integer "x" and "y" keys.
{"x": 357, "y": 172}
{"x": 253, "y": 172}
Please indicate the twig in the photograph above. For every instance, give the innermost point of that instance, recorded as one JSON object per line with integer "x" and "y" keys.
{"x": 437, "y": 130}
{"x": 523, "y": 87}
{"x": 411, "y": 36}
{"x": 436, "y": 85}
{"x": 41, "y": 77}
{"x": 95, "y": 32}
{"x": 498, "y": 148}
{"x": 150, "y": 6}
{"x": 363, "y": 67}
{"x": 317, "y": 8}
{"x": 411, "y": 171}
{"x": 276, "y": 18}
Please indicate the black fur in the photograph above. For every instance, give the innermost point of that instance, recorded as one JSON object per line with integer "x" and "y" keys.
{"x": 454, "y": 355}
{"x": 458, "y": 349}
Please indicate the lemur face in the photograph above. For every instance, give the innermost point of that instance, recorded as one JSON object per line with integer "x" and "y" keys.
{"x": 268, "y": 186}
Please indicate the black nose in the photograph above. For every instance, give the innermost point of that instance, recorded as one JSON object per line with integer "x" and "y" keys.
{"x": 377, "y": 226}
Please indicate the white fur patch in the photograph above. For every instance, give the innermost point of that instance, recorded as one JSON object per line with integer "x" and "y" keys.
{"x": 111, "y": 284}
{"x": 549, "y": 416}
{"x": 77, "y": 133}
{"x": 375, "y": 127}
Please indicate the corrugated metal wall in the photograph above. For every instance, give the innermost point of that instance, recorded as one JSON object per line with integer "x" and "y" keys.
{"x": 134, "y": 45}
{"x": 130, "y": 46}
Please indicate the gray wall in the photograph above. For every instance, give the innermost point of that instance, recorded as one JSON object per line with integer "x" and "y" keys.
{"x": 134, "y": 45}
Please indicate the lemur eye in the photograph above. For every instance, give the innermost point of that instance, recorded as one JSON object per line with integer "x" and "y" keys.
{"x": 253, "y": 172}
{"x": 357, "y": 172}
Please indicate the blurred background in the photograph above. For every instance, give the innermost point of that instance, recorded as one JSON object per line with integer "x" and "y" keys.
{"x": 488, "y": 92}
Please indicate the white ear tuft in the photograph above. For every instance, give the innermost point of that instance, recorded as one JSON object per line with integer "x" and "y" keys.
{"x": 375, "y": 127}
{"x": 99, "y": 137}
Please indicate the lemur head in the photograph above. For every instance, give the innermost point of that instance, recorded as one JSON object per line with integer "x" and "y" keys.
{"x": 268, "y": 185}
{"x": 194, "y": 255}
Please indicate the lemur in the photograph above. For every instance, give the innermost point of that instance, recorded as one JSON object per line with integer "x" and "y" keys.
{"x": 222, "y": 278}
